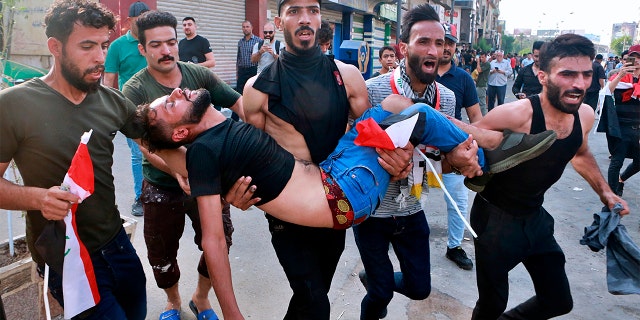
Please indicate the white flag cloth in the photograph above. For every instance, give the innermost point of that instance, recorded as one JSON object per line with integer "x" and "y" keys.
{"x": 79, "y": 284}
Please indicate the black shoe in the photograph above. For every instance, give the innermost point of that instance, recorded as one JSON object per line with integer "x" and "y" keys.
{"x": 458, "y": 256}
{"x": 363, "y": 279}
{"x": 517, "y": 148}
{"x": 477, "y": 183}
{"x": 136, "y": 208}
{"x": 620, "y": 189}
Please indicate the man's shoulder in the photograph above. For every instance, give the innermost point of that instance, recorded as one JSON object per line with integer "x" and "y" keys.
{"x": 444, "y": 90}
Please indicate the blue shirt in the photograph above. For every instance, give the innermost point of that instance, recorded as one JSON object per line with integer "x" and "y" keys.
{"x": 462, "y": 85}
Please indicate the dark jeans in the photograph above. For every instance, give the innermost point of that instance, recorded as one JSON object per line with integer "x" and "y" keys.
{"x": 164, "y": 220}
{"x": 503, "y": 242}
{"x": 309, "y": 257}
{"x": 591, "y": 98}
{"x": 409, "y": 236}
{"x": 493, "y": 92}
{"x": 121, "y": 282}
{"x": 244, "y": 73}
{"x": 627, "y": 147}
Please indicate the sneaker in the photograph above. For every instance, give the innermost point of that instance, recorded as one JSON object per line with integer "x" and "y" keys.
{"x": 458, "y": 256}
{"x": 363, "y": 279}
{"x": 136, "y": 208}
{"x": 478, "y": 183}
{"x": 517, "y": 148}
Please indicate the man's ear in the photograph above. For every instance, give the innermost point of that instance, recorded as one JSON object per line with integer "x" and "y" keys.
{"x": 141, "y": 50}
{"x": 55, "y": 46}
{"x": 403, "y": 49}
{"x": 179, "y": 134}
{"x": 278, "y": 22}
{"x": 542, "y": 77}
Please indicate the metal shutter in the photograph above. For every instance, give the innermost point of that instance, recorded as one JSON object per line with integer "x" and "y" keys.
{"x": 219, "y": 21}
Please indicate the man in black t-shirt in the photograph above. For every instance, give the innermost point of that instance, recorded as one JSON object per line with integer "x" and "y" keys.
{"x": 597, "y": 83}
{"x": 195, "y": 48}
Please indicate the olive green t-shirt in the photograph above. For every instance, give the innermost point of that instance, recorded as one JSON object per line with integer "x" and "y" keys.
{"x": 40, "y": 129}
{"x": 143, "y": 88}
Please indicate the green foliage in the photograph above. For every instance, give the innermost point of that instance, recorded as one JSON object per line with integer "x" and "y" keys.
{"x": 482, "y": 45}
{"x": 620, "y": 44}
{"x": 507, "y": 43}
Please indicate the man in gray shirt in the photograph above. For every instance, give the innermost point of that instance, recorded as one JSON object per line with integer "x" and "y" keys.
{"x": 500, "y": 72}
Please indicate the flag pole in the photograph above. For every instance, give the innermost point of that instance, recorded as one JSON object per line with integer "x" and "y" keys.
{"x": 444, "y": 189}
{"x": 45, "y": 298}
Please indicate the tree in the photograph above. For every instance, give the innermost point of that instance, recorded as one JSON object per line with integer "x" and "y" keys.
{"x": 507, "y": 43}
{"x": 482, "y": 45}
{"x": 620, "y": 44}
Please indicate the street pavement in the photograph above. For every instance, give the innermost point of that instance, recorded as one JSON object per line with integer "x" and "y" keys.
{"x": 263, "y": 293}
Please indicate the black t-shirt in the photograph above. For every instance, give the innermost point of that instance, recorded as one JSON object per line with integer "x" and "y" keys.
{"x": 224, "y": 153}
{"x": 194, "y": 50}
{"x": 598, "y": 73}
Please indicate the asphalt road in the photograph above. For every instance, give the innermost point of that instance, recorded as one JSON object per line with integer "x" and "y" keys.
{"x": 263, "y": 293}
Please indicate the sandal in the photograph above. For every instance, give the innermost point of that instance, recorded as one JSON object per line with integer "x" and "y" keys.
{"x": 208, "y": 314}
{"x": 172, "y": 314}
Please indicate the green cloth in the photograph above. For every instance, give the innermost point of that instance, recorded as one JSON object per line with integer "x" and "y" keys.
{"x": 40, "y": 129}
{"x": 143, "y": 88}
{"x": 483, "y": 77}
{"x": 124, "y": 58}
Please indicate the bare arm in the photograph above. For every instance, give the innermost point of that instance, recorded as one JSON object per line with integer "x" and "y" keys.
{"x": 216, "y": 255}
{"x": 253, "y": 102}
{"x": 109, "y": 79}
{"x": 54, "y": 203}
{"x": 210, "y": 60}
{"x": 238, "y": 108}
{"x": 585, "y": 164}
{"x": 474, "y": 113}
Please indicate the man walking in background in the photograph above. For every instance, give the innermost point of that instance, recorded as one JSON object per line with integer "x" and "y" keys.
{"x": 123, "y": 61}
{"x": 597, "y": 83}
{"x": 481, "y": 83}
{"x": 500, "y": 71}
{"x": 195, "y": 48}
{"x": 267, "y": 50}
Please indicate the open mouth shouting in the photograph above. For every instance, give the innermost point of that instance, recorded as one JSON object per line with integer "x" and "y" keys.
{"x": 305, "y": 33}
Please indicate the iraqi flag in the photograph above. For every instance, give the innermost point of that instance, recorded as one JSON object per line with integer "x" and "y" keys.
{"x": 78, "y": 278}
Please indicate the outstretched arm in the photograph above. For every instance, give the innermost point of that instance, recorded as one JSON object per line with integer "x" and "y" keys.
{"x": 216, "y": 255}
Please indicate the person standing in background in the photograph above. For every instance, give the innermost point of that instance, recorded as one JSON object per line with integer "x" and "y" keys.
{"x": 500, "y": 71}
{"x": 481, "y": 83}
{"x": 597, "y": 83}
{"x": 245, "y": 68}
{"x": 527, "y": 83}
{"x": 325, "y": 37}
{"x": 388, "y": 61}
{"x": 267, "y": 50}
{"x": 195, "y": 48}
{"x": 124, "y": 60}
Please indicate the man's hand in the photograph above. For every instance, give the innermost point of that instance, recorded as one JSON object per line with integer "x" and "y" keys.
{"x": 56, "y": 203}
{"x": 184, "y": 183}
{"x": 397, "y": 161}
{"x": 610, "y": 199}
{"x": 464, "y": 158}
{"x": 241, "y": 193}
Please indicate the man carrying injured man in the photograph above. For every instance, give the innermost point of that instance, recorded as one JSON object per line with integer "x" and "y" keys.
{"x": 344, "y": 190}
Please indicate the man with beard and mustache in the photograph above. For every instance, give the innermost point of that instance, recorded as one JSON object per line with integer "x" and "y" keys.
{"x": 460, "y": 82}
{"x": 527, "y": 83}
{"x": 267, "y": 50}
{"x": 165, "y": 204}
{"x": 41, "y": 122}
{"x": 303, "y": 100}
{"x": 400, "y": 220}
{"x": 508, "y": 216}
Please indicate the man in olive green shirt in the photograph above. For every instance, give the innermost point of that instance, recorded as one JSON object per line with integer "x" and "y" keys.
{"x": 483, "y": 69}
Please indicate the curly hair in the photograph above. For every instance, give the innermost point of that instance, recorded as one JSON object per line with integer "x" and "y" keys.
{"x": 63, "y": 14}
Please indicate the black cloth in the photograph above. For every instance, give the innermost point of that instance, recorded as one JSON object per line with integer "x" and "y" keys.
{"x": 194, "y": 50}
{"x": 527, "y": 82}
{"x": 628, "y": 111}
{"x": 598, "y": 73}
{"x": 506, "y": 189}
{"x": 609, "y": 118}
{"x": 308, "y": 92}
{"x": 623, "y": 255}
{"x": 220, "y": 155}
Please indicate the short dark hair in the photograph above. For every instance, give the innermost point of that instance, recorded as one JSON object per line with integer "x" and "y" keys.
{"x": 537, "y": 45}
{"x": 325, "y": 34}
{"x": 383, "y": 49}
{"x": 63, "y": 14}
{"x": 566, "y": 45}
{"x": 154, "y": 19}
{"x": 189, "y": 18}
{"x": 423, "y": 12}
{"x": 282, "y": 2}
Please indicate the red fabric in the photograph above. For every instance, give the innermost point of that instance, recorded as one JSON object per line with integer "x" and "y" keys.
{"x": 371, "y": 135}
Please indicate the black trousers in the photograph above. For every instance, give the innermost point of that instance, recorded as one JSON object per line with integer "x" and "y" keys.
{"x": 591, "y": 98}
{"x": 504, "y": 241}
{"x": 309, "y": 257}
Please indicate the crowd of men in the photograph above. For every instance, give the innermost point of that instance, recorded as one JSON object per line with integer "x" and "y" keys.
{"x": 304, "y": 99}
